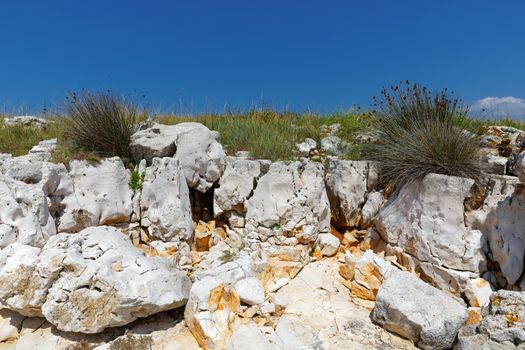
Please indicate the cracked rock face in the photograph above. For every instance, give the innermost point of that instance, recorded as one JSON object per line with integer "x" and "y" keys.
{"x": 194, "y": 145}
{"x": 88, "y": 281}
{"x": 107, "y": 282}
{"x": 289, "y": 205}
{"x": 502, "y": 326}
{"x": 426, "y": 221}
{"x": 165, "y": 201}
{"x": 100, "y": 196}
{"x": 348, "y": 184}
{"x": 236, "y": 185}
{"x": 505, "y": 229}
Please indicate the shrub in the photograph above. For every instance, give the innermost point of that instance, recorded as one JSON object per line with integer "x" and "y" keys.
{"x": 102, "y": 123}
{"x": 421, "y": 133}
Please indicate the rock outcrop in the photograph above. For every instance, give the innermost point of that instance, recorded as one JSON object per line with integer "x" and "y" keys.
{"x": 89, "y": 281}
{"x": 425, "y": 224}
{"x": 100, "y": 195}
{"x": 194, "y": 145}
{"x": 163, "y": 203}
{"x": 348, "y": 184}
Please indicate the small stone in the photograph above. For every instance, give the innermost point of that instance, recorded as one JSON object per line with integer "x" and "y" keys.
{"x": 329, "y": 244}
{"x": 267, "y": 308}
{"x": 250, "y": 291}
{"x": 478, "y": 292}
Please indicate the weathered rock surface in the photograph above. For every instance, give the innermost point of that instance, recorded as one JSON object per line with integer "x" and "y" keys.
{"x": 289, "y": 205}
{"x": 365, "y": 274}
{"x": 348, "y": 184}
{"x": 425, "y": 220}
{"x": 520, "y": 167}
{"x": 304, "y": 148}
{"x": 236, "y": 185}
{"x": 101, "y": 195}
{"x": 505, "y": 230}
{"x": 88, "y": 281}
{"x": 413, "y": 309}
{"x": 502, "y": 327}
{"x": 194, "y": 145}
{"x": 164, "y": 202}
{"x": 30, "y": 196}
{"x": 107, "y": 282}
{"x": 318, "y": 313}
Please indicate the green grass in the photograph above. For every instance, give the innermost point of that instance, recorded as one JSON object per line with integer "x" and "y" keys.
{"x": 265, "y": 134}
{"x": 271, "y": 135}
{"x": 17, "y": 140}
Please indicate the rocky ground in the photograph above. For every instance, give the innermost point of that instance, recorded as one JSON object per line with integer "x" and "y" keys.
{"x": 209, "y": 251}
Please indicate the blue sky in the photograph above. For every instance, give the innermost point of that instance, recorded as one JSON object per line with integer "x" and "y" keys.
{"x": 200, "y": 55}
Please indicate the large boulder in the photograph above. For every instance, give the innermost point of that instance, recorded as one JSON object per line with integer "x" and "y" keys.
{"x": 88, "y": 281}
{"x": 407, "y": 306}
{"x": 348, "y": 184}
{"x": 101, "y": 195}
{"x": 197, "y": 148}
{"x": 425, "y": 220}
{"x": 164, "y": 201}
{"x": 289, "y": 205}
{"x": 106, "y": 282}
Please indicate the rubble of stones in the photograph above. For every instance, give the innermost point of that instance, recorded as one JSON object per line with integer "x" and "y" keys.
{"x": 222, "y": 252}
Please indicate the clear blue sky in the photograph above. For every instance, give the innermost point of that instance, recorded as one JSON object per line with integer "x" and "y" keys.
{"x": 318, "y": 54}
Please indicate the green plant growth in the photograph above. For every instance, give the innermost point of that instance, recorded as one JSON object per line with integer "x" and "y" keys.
{"x": 273, "y": 135}
{"x": 136, "y": 181}
{"x": 421, "y": 133}
{"x": 102, "y": 123}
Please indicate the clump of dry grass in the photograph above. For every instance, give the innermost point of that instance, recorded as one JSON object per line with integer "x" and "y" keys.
{"x": 102, "y": 123}
{"x": 421, "y": 133}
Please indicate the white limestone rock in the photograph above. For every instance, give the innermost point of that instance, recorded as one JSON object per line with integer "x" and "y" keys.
{"x": 107, "y": 282}
{"x": 249, "y": 337}
{"x": 329, "y": 244}
{"x": 348, "y": 184}
{"x": 250, "y": 291}
{"x": 407, "y": 306}
{"x": 165, "y": 201}
{"x": 498, "y": 188}
{"x": 478, "y": 292}
{"x": 44, "y": 149}
{"x": 371, "y": 208}
{"x": 28, "y": 204}
{"x": 101, "y": 195}
{"x": 236, "y": 185}
{"x": 23, "y": 284}
{"x": 426, "y": 221}
{"x": 304, "y": 148}
{"x": 520, "y": 167}
{"x": 193, "y": 144}
{"x": 289, "y": 204}
{"x": 505, "y": 229}
{"x": 334, "y": 145}
{"x": 318, "y": 313}
{"x": 26, "y": 120}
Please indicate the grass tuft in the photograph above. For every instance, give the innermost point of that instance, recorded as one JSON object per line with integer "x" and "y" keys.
{"x": 101, "y": 123}
{"x": 421, "y": 133}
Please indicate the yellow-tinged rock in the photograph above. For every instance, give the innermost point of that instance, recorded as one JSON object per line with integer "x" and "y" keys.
{"x": 474, "y": 316}
{"x": 222, "y": 298}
